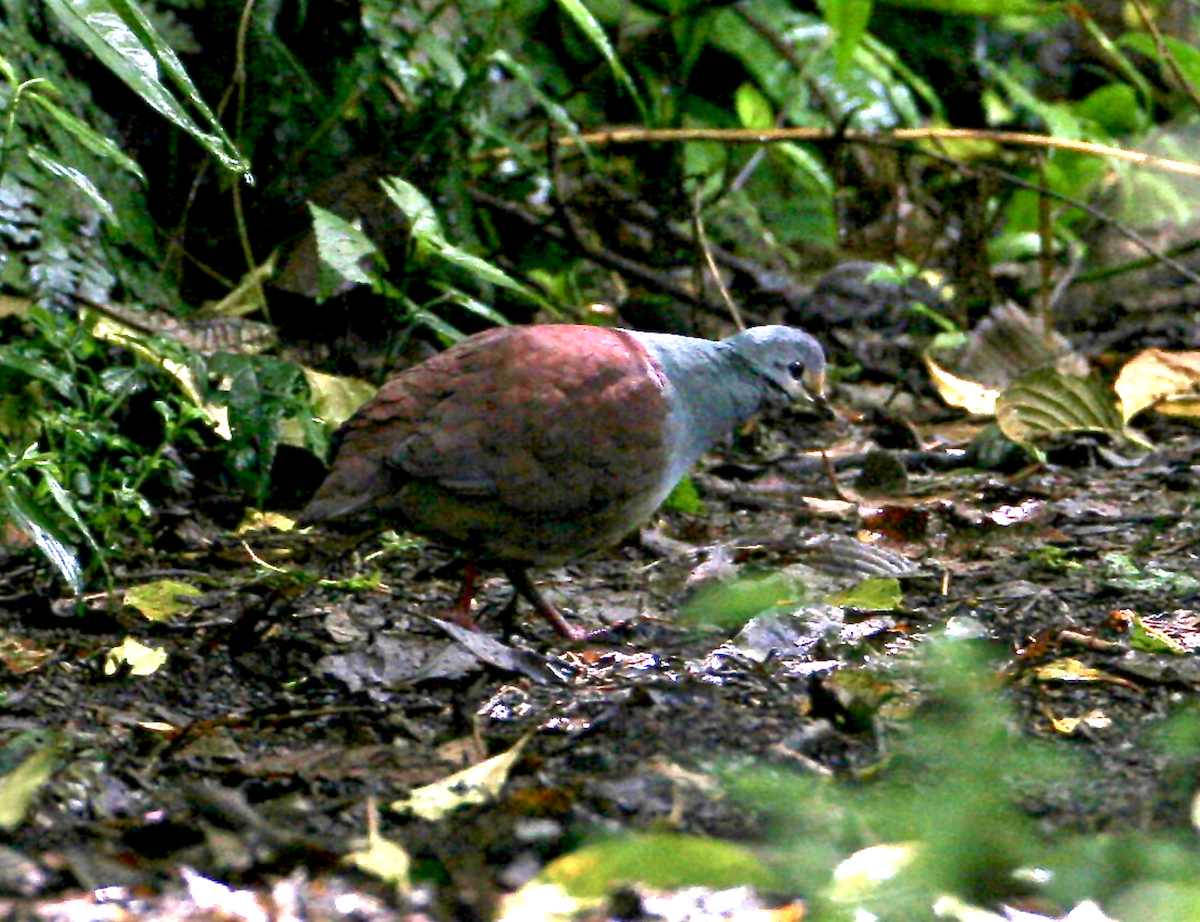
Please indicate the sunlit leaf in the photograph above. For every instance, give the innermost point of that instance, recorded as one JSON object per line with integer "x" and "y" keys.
{"x": 141, "y": 660}
{"x": 1167, "y": 381}
{"x": 478, "y": 784}
{"x": 959, "y": 392}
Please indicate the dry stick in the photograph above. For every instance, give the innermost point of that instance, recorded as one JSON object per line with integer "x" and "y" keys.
{"x": 891, "y": 139}
{"x": 1165, "y": 52}
{"x": 238, "y": 82}
{"x": 1045, "y": 245}
{"x": 702, "y": 240}
{"x": 660, "y": 225}
{"x": 574, "y": 232}
{"x": 1120, "y": 228}
{"x": 770, "y": 135}
{"x": 239, "y": 212}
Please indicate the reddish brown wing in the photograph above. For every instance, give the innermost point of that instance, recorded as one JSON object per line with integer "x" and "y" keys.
{"x": 545, "y": 420}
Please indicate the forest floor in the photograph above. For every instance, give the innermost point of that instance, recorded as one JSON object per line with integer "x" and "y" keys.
{"x": 999, "y": 691}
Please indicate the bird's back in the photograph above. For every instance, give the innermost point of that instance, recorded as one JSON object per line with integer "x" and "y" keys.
{"x": 535, "y": 444}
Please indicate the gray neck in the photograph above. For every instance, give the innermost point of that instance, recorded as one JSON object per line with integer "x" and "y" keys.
{"x": 714, "y": 392}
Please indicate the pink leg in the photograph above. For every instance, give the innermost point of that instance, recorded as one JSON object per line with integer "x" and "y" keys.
{"x": 524, "y": 585}
{"x": 460, "y": 612}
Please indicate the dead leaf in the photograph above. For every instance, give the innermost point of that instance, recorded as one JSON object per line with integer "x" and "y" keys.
{"x": 1166, "y": 381}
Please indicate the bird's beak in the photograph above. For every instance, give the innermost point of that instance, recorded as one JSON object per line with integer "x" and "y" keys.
{"x": 813, "y": 380}
{"x": 812, "y": 393}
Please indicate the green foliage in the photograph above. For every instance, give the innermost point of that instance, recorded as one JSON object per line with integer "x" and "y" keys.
{"x": 947, "y": 792}
{"x": 260, "y": 394}
{"x": 77, "y": 475}
{"x": 125, "y": 40}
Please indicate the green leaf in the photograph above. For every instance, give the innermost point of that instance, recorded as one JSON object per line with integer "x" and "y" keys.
{"x": 848, "y": 19}
{"x": 67, "y": 504}
{"x": 753, "y": 108}
{"x": 163, "y": 599}
{"x": 874, "y": 594}
{"x": 662, "y": 861}
{"x": 38, "y": 368}
{"x": 1114, "y": 108}
{"x": 76, "y": 178}
{"x": 19, "y": 787}
{"x": 30, "y": 521}
{"x": 1186, "y": 56}
{"x": 1045, "y": 403}
{"x": 467, "y": 302}
{"x": 684, "y": 497}
{"x": 416, "y": 207}
{"x": 87, "y": 136}
{"x": 729, "y": 605}
{"x": 557, "y": 112}
{"x": 978, "y": 7}
{"x": 125, "y": 41}
{"x": 431, "y": 243}
{"x": 793, "y": 195}
{"x": 340, "y": 246}
{"x": 587, "y": 24}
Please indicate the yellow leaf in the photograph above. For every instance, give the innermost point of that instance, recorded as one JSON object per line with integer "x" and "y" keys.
{"x": 959, "y": 392}
{"x": 478, "y": 784}
{"x": 1166, "y": 381}
{"x": 142, "y": 660}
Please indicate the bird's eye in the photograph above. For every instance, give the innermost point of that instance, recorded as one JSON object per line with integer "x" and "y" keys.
{"x": 796, "y": 370}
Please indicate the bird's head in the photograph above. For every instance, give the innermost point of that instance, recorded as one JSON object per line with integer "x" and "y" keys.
{"x": 790, "y": 361}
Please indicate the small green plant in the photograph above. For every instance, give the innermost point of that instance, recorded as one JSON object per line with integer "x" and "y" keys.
{"x": 69, "y": 473}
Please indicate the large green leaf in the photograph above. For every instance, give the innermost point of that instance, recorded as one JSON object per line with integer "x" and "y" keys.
{"x": 121, "y": 36}
{"x": 431, "y": 242}
{"x": 848, "y": 19}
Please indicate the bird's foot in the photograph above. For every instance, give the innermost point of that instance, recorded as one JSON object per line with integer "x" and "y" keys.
{"x": 519, "y": 577}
